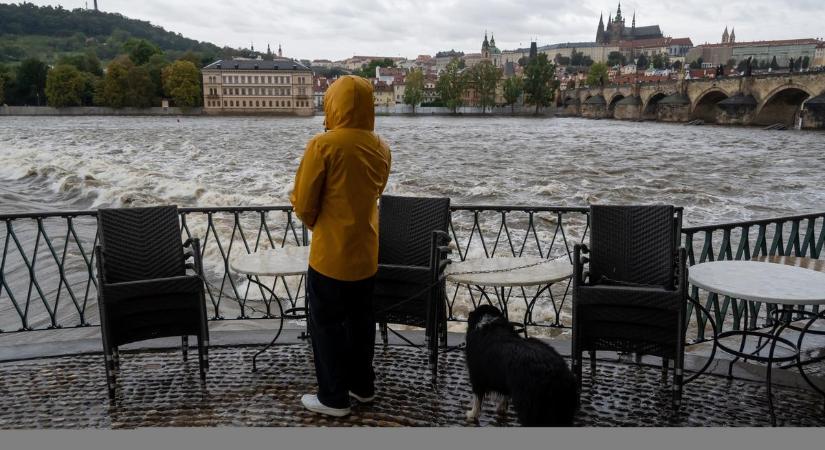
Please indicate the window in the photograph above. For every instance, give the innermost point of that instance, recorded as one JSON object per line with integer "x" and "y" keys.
{"x": 244, "y": 103}
{"x": 288, "y": 91}
{"x": 224, "y": 103}
{"x": 257, "y": 103}
{"x": 236, "y": 79}
{"x": 231, "y": 103}
{"x": 269, "y": 80}
{"x": 270, "y": 103}
{"x": 288, "y": 104}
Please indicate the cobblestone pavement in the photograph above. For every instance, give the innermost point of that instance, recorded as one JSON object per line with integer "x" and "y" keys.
{"x": 157, "y": 389}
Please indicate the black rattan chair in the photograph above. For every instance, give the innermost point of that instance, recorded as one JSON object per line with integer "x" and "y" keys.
{"x": 633, "y": 299}
{"x": 143, "y": 289}
{"x": 412, "y": 256}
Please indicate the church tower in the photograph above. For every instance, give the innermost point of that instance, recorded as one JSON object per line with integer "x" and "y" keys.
{"x": 633, "y": 25}
{"x": 725, "y": 36}
{"x": 732, "y": 38}
{"x": 600, "y": 30}
{"x": 485, "y": 47}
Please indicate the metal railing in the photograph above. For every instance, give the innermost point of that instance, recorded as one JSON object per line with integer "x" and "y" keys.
{"x": 46, "y": 262}
{"x": 801, "y": 236}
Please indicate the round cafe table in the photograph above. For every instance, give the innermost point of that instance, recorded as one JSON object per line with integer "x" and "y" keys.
{"x": 507, "y": 272}
{"x": 281, "y": 262}
{"x": 781, "y": 282}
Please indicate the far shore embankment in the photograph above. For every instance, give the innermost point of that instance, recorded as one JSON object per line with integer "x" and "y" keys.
{"x": 97, "y": 111}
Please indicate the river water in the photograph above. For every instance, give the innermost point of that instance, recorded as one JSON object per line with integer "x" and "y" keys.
{"x": 716, "y": 173}
{"x": 59, "y": 163}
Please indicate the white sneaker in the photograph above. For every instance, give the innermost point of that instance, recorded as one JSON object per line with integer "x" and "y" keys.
{"x": 311, "y": 402}
{"x": 362, "y": 399}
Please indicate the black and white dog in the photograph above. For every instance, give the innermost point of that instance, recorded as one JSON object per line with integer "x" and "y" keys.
{"x": 531, "y": 373}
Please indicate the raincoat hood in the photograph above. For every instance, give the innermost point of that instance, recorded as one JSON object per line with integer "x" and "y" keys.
{"x": 349, "y": 103}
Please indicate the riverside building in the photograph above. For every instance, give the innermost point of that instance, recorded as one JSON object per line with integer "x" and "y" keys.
{"x": 254, "y": 86}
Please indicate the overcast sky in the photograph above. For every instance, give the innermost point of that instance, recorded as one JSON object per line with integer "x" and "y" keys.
{"x": 337, "y": 29}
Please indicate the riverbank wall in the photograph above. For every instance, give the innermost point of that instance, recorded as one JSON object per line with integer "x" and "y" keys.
{"x": 406, "y": 110}
{"x": 96, "y": 111}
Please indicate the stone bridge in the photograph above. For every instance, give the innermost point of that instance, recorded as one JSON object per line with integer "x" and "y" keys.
{"x": 790, "y": 99}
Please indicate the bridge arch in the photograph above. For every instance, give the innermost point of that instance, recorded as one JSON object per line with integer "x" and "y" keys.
{"x": 649, "y": 106}
{"x": 704, "y": 107}
{"x": 782, "y": 105}
{"x": 611, "y": 105}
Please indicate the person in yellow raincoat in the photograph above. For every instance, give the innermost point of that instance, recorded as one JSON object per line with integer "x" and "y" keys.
{"x": 342, "y": 174}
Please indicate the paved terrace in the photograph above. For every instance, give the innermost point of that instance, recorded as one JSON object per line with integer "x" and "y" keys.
{"x": 157, "y": 389}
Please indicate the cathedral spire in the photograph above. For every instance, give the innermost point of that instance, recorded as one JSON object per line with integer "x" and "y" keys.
{"x": 634, "y": 20}
{"x": 725, "y": 36}
{"x": 619, "y": 13}
{"x": 600, "y": 29}
{"x": 732, "y": 38}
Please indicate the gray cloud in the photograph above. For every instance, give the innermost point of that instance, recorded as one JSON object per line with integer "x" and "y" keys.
{"x": 334, "y": 29}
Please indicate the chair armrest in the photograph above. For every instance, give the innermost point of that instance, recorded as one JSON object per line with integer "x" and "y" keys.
{"x": 642, "y": 297}
{"x": 579, "y": 261}
{"x": 404, "y": 267}
{"x": 184, "y": 284}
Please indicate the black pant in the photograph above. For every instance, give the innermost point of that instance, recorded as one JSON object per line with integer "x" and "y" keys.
{"x": 342, "y": 329}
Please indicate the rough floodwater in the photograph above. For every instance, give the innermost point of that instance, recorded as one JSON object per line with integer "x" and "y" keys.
{"x": 56, "y": 163}
{"x": 718, "y": 174}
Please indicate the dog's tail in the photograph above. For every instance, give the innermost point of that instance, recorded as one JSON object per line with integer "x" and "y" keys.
{"x": 556, "y": 407}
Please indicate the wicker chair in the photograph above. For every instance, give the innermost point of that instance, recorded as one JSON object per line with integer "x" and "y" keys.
{"x": 633, "y": 299}
{"x": 412, "y": 255}
{"x": 143, "y": 289}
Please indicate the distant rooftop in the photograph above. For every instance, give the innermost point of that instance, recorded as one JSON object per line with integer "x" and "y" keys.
{"x": 255, "y": 64}
{"x": 766, "y": 43}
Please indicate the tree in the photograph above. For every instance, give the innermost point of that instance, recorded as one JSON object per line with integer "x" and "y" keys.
{"x": 513, "y": 88}
{"x": 181, "y": 82}
{"x": 368, "y": 70}
{"x": 155, "y": 66}
{"x": 642, "y": 62}
{"x": 65, "y": 86}
{"x": 677, "y": 65}
{"x": 414, "y": 88}
{"x": 140, "y": 50}
{"x": 774, "y": 64}
{"x": 30, "y": 82}
{"x": 730, "y": 64}
{"x": 660, "y": 61}
{"x": 806, "y": 61}
{"x": 87, "y": 62}
{"x": 598, "y": 75}
{"x": 126, "y": 85}
{"x": 193, "y": 58}
{"x": 450, "y": 85}
{"x": 578, "y": 58}
{"x": 2, "y": 90}
{"x": 742, "y": 66}
{"x": 485, "y": 77}
{"x": 616, "y": 59}
{"x": 539, "y": 82}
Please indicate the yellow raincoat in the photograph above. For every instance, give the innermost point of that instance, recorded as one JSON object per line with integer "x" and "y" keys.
{"x": 337, "y": 186}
